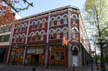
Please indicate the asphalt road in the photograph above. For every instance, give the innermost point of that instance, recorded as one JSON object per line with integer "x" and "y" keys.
{"x": 40, "y": 68}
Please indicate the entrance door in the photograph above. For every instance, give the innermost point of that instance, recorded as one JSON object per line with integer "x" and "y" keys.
{"x": 35, "y": 60}
{"x": 75, "y": 55}
{"x": 75, "y": 60}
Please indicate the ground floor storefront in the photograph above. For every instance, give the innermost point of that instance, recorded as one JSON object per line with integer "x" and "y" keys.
{"x": 39, "y": 55}
{"x": 54, "y": 54}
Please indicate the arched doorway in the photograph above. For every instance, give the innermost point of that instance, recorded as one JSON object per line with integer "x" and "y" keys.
{"x": 75, "y": 51}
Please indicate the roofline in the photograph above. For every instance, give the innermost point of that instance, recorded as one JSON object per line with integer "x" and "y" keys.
{"x": 48, "y": 11}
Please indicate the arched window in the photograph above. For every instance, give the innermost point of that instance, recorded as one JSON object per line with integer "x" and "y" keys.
{"x": 65, "y": 19}
{"x": 23, "y": 28}
{"x": 43, "y": 23}
{"x": 74, "y": 19}
{"x": 58, "y": 20}
{"x": 52, "y": 22}
{"x": 22, "y": 36}
{"x": 42, "y": 34}
{"x": 74, "y": 33}
{"x": 37, "y": 36}
{"x": 58, "y": 33}
{"x": 75, "y": 50}
{"x": 51, "y": 34}
{"x": 65, "y": 32}
{"x": 31, "y": 34}
{"x": 39, "y": 24}
{"x": 33, "y": 25}
{"x": 15, "y": 37}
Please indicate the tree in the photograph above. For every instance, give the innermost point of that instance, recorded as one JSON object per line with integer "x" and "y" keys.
{"x": 96, "y": 14}
{"x": 6, "y": 14}
{"x": 12, "y": 4}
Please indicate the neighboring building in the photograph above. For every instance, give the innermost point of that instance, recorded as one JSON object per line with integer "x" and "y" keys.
{"x": 4, "y": 42}
{"x": 38, "y": 39}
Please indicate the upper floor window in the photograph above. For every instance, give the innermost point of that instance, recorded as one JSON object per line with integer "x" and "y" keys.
{"x": 52, "y": 22}
{"x": 43, "y": 23}
{"x": 42, "y": 34}
{"x": 38, "y": 36}
{"x": 65, "y": 32}
{"x": 74, "y": 33}
{"x": 31, "y": 35}
{"x": 58, "y": 34}
{"x": 33, "y": 25}
{"x": 51, "y": 34}
{"x": 65, "y": 18}
{"x": 74, "y": 19}
{"x": 24, "y": 26}
{"x": 58, "y": 20}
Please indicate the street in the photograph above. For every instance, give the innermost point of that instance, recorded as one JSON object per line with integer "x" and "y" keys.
{"x": 41, "y": 68}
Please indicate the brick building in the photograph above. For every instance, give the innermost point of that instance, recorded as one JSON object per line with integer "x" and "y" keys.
{"x": 38, "y": 39}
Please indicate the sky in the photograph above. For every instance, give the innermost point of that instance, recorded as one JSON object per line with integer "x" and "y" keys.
{"x": 44, "y": 5}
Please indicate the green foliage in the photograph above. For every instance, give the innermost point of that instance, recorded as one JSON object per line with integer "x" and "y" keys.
{"x": 97, "y": 14}
{"x": 97, "y": 10}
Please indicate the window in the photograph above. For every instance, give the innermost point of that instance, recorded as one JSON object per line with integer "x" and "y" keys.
{"x": 75, "y": 51}
{"x": 37, "y": 37}
{"x": 4, "y": 28}
{"x": 74, "y": 33}
{"x": 65, "y": 19}
{"x": 39, "y": 24}
{"x": 23, "y": 28}
{"x": 42, "y": 37}
{"x": 43, "y": 23}
{"x": 33, "y": 25}
{"x": 58, "y": 34}
{"x": 74, "y": 19}
{"x": 51, "y": 34}
{"x": 4, "y": 38}
{"x": 58, "y": 20}
{"x": 65, "y": 34}
{"x": 52, "y": 22}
